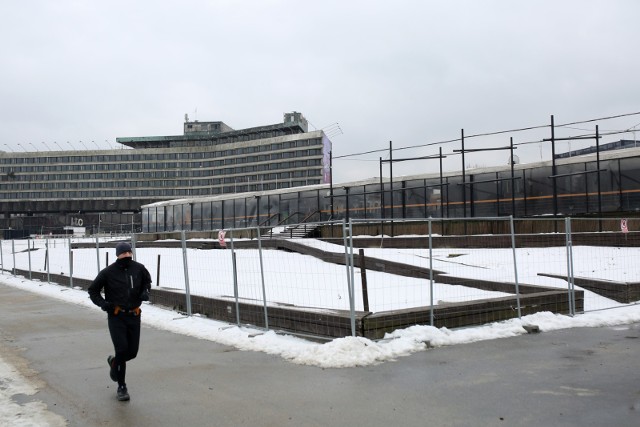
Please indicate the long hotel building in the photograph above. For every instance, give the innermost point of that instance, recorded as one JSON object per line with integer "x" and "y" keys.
{"x": 45, "y": 190}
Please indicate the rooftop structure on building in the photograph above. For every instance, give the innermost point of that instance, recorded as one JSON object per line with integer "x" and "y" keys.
{"x": 197, "y": 134}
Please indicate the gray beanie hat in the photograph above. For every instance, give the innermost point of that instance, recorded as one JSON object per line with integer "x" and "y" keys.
{"x": 122, "y": 247}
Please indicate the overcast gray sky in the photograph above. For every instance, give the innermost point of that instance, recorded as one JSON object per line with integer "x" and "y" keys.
{"x": 413, "y": 72}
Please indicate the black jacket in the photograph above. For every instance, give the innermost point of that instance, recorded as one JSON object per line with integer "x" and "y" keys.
{"x": 123, "y": 282}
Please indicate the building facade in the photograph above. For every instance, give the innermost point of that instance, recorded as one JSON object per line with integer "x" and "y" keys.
{"x": 590, "y": 185}
{"x": 49, "y": 189}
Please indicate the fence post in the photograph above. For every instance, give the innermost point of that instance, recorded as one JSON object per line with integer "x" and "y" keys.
{"x": 46, "y": 260}
{"x": 13, "y": 250}
{"x": 133, "y": 245}
{"x": 567, "y": 239}
{"x": 29, "y": 255}
{"x": 363, "y": 276}
{"x": 235, "y": 277}
{"x": 70, "y": 263}
{"x": 352, "y": 300}
{"x": 46, "y": 254}
{"x": 264, "y": 293}
{"x": 346, "y": 254}
{"x": 515, "y": 264}
{"x": 573, "y": 281}
{"x": 158, "y": 272}
{"x": 98, "y": 253}
{"x": 570, "y": 286}
{"x": 186, "y": 272}
{"x": 347, "y": 265}
{"x": 430, "y": 273}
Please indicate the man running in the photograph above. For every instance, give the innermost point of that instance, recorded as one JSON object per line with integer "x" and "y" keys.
{"x": 126, "y": 284}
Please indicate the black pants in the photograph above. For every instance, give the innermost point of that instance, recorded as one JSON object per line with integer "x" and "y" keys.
{"x": 125, "y": 334}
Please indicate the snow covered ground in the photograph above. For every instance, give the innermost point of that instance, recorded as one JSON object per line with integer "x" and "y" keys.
{"x": 305, "y": 281}
{"x": 609, "y": 263}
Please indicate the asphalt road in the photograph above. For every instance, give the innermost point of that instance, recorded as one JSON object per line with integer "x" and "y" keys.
{"x": 576, "y": 377}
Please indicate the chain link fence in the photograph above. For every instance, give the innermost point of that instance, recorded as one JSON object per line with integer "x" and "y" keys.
{"x": 269, "y": 278}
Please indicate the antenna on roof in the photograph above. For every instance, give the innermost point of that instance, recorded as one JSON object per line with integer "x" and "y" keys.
{"x": 186, "y": 118}
{"x": 332, "y": 130}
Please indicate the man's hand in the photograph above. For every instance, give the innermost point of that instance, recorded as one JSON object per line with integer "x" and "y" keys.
{"x": 107, "y": 306}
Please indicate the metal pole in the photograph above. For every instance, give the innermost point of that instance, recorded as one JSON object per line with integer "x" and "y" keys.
{"x": 235, "y": 277}
{"x": 513, "y": 181}
{"x": 515, "y": 264}
{"x": 46, "y": 256}
{"x": 98, "y": 253}
{"x": 430, "y": 275}
{"x": 391, "y": 184}
{"x": 235, "y": 286}
{"x": 553, "y": 169}
{"x": 346, "y": 258}
{"x": 464, "y": 185}
{"x": 573, "y": 282}
{"x": 346, "y": 203}
{"x": 29, "y": 256}
{"x": 598, "y": 176}
{"x": 13, "y": 250}
{"x": 257, "y": 199}
{"x": 133, "y": 245}
{"x": 331, "y": 183}
{"x": 70, "y": 263}
{"x": 363, "y": 278}
{"x": 186, "y": 272}
{"x": 264, "y": 292}
{"x": 381, "y": 201}
{"x": 2, "y": 256}
{"x": 441, "y": 188}
{"x": 346, "y": 252}
{"x": 352, "y": 305}
{"x": 573, "y": 285}
{"x": 567, "y": 228}
{"x": 158, "y": 271}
